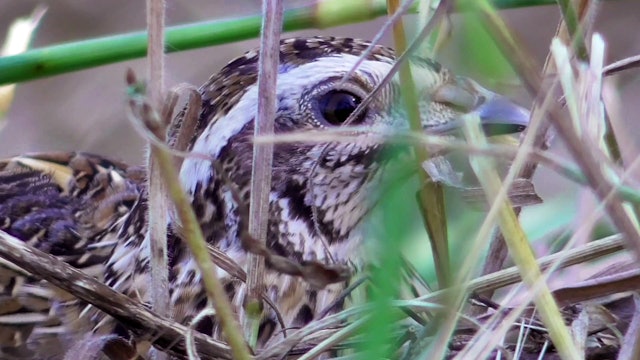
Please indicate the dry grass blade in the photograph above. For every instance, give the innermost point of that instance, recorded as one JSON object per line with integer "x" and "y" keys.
{"x": 631, "y": 346}
{"x": 618, "y": 279}
{"x": 332, "y": 340}
{"x": 163, "y": 333}
{"x": 296, "y": 339}
{"x": 519, "y": 248}
{"x": 510, "y": 276}
{"x": 316, "y": 273}
{"x": 395, "y": 17}
{"x": 262, "y": 158}
{"x": 158, "y": 200}
{"x": 624, "y": 64}
{"x": 521, "y": 193}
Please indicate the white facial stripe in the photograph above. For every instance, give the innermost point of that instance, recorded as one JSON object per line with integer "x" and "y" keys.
{"x": 291, "y": 84}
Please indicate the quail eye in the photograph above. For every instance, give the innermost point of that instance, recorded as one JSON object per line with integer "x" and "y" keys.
{"x": 336, "y": 106}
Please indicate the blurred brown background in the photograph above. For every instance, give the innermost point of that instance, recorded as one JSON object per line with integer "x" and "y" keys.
{"x": 85, "y": 110}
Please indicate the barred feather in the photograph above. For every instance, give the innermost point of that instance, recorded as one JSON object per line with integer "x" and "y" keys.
{"x": 92, "y": 212}
{"x": 66, "y": 204}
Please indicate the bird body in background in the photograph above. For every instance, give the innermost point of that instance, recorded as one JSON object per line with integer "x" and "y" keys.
{"x": 92, "y": 212}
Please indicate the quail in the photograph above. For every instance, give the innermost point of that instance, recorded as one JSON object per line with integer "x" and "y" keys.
{"x": 92, "y": 212}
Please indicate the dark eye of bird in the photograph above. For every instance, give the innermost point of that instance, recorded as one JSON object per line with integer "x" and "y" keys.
{"x": 336, "y": 106}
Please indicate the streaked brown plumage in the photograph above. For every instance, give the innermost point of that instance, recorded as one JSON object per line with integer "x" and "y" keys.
{"x": 65, "y": 204}
{"x": 92, "y": 212}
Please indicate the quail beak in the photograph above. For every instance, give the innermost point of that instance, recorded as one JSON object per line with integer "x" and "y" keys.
{"x": 500, "y": 116}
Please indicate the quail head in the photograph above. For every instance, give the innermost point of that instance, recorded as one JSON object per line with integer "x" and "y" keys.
{"x": 321, "y": 189}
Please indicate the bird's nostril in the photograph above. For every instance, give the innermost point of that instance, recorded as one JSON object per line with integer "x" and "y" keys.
{"x": 502, "y": 129}
{"x": 500, "y": 116}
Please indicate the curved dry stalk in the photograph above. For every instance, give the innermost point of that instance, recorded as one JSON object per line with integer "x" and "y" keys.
{"x": 631, "y": 62}
{"x": 145, "y": 324}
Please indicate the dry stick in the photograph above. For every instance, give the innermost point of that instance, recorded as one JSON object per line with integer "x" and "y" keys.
{"x": 572, "y": 19}
{"x": 182, "y": 132}
{"x": 155, "y": 52}
{"x": 563, "y": 259}
{"x": 158, "y": 202}
{"x": 262, "y": 156}
{"x": 579, "y": 31}
{"x": 195, "y": 241}
{"x": 142, "y": 322}
{"x": 334, "y": 339}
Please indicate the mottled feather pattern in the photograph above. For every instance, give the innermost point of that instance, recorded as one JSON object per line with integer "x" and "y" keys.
{"x": 225, "y": 88}
{"x": 66, "y": 204}
{"x": 321, "y": 191}
{"x": 291, "y": 228}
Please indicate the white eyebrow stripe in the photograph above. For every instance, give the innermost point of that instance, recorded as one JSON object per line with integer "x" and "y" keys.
{"x": 292, "y": 81}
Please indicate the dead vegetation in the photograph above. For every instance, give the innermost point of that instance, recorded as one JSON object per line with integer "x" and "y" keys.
{"x": 594, "y": 317}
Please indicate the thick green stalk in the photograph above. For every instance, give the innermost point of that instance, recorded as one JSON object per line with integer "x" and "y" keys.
{"x": 73, "y": 56}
